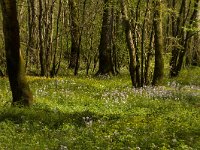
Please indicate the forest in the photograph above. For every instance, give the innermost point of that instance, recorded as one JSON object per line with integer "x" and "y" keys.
{"x": 100, "y": 74}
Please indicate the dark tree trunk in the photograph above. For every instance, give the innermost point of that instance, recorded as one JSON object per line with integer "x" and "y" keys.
{"x": 114, "y": 29}
{"x": 105, "y": 58}
{"x": 41, "y": 53}
{"x": 177, "y": 32}
{"x": 184, "y": 36}
{"x": 74, "y": 34}
{"x": 143, "y": 44}
{"x": 80, "y": 39}
{"x": 159, "y": 60}
{"x": 16, "y": 70}
{"x": 31, "y": 29}
{"x": 193, "y": 19}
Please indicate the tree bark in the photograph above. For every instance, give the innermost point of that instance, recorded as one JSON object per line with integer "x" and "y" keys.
{"x": 55, "y": 67}
{"x": 177, "y": 32}
{"x": 74, "y": 34}
{"x": 189, "y": 33}
{"x": 105, "y": 58}
{"x": 16, "y": 70}
{"x": 41, "y": 53}
{"x": 31, "y": 29}
{"x": 143, "y": 44}
{"x": 130, "y": 44}
{"x": 184, "y": 36}
{"x": 159, "y": 60}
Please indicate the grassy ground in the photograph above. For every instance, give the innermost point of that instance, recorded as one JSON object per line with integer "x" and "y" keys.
{"x": 101, "y": 113}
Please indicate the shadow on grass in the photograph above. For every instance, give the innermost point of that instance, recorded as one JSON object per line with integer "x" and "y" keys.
{"x": 50, "y": 118}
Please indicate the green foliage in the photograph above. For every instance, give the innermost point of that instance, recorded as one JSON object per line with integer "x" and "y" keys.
{"x": 102, "y": 113}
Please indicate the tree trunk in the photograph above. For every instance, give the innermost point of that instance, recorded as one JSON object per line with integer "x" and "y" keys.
{"x": 148, "y": 58}
{"x": 130, "y": 44}
{"x": 80, "y": 38}
{"x": 189, "y": 34}
{"x": 143, "y": 44}
{"x": 159, "y": 61}
{"x": 184, "y": 36}
{"x": 16, "y": 70}
{"x": 105, "y": 59}
{"x": 74, "y": 34}
{"x": 54, "y": 69}
{"x": 41, "y": 53}
{"x": 177, "y": 32}
{"x": 31, "y": 29}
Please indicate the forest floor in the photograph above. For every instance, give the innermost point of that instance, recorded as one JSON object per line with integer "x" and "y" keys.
{"x": 87, "y": 113}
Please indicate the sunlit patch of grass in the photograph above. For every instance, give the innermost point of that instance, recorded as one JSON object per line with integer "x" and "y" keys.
{"x": 101, "y": 113}
{"x": 188, "y": 76}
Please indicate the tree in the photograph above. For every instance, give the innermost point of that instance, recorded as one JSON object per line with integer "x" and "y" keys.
{"x": 16, "y": 71}
{"x": 130, "y": 43}
{"x": 75, "y": 48}
{"x": 31, "y": 28}
{"x": 183, "y": 30}
{"x": 189, "y": 34}
{"x": 105, "y": 56}
{"x": 55, "y": 64}
{"x": 159, "y": 60}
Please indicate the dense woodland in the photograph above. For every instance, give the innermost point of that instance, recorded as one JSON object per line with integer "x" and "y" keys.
{"x": 85, "y": 35}
{"x": 100, "y": 74}
{"x": 100, "y": 37}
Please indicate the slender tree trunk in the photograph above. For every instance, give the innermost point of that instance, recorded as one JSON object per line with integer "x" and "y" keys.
{"x": 159, "y": 60}
{"x": 174, "y": 49}
{"x": 41, "y": 53}
{"x": 136, "y": 42}
{"x": 184, "y": 37}
{"x": 31, "y": 28}
{"x": 130, "y": 44}
{"x": 115, "y": 35}
{"x": 196, "y": 52}
{"x": 54, "y": 68}
{"x": 49, "y": 34}
{"x": 80, "y": 39}
{"x": 193, "y": 18}
{"x": 74, "y": 34}
{"x": 148, "y": 58}
{"x": 114, "y": 23}
{"x": 16, "y": 70}
{"x": 177, "y": 32}
{"x": 142, "y": 44}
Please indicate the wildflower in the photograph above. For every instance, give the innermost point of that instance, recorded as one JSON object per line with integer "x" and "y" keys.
{"x": 88, "y": 121}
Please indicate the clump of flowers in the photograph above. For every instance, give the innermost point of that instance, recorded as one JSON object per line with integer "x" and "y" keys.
{"x": 115, "y": 96}
{"x": 88, "y": 121}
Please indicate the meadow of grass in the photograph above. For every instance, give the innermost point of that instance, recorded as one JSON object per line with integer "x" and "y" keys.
{"x": 87, "y": 113}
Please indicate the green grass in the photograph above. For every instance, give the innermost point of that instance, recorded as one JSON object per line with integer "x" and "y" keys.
{"x": 87, "y": 113}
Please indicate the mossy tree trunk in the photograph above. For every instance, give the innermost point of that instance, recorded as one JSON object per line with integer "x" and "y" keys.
{"x": 16, "y": 71}
{"x": 159, "y": 60}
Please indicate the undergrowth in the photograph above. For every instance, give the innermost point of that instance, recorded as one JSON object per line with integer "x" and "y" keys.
{"x": 103, "y": 113}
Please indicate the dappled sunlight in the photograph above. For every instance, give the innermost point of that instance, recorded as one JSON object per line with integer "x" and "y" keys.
{"x": 69, "y": 112}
